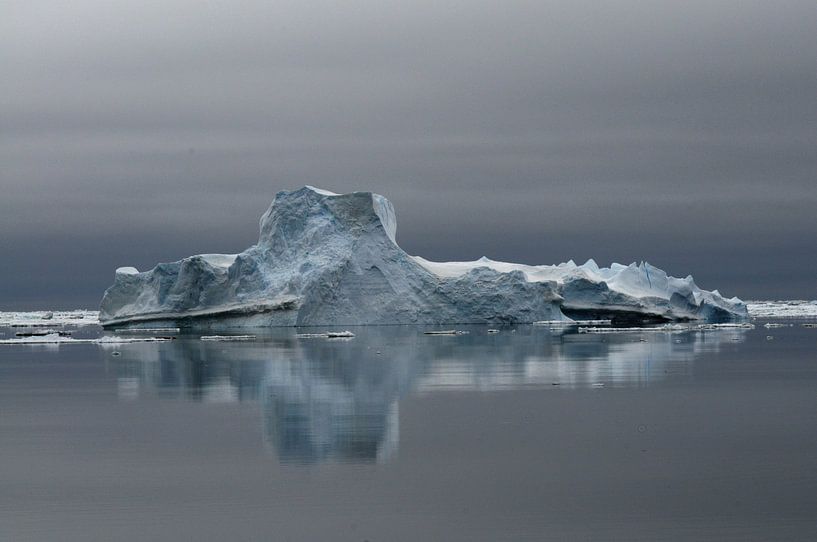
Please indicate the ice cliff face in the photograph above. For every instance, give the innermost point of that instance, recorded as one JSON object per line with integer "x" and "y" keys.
{"x": 331, "y": 259}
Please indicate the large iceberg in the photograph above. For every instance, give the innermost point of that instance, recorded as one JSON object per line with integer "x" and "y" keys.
{"x": 332, "y": 259}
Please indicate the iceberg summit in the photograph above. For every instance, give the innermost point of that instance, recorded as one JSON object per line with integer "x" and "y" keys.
{"x": 332, "y": 259}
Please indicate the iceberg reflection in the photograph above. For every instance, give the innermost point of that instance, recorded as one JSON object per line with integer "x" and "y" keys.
{"x": 326, "y": 400}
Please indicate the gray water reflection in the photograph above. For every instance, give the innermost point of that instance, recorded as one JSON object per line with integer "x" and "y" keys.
{"x": 339, "y": 400}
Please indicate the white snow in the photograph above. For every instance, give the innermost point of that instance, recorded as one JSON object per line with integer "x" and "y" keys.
{"x": 321, "y": 191}
{"x": 637, "y": 280}
{"x": 219, "y": 260}
{"x": 533, "y": 273}
{"x": 127, "y": 271}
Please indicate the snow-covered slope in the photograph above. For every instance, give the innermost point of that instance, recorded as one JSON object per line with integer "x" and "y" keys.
{"x": 325, "y": 258}
{"x": 591, "y": 291}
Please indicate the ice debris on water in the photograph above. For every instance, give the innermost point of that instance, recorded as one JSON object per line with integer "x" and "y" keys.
{"x": 56, "y": 338}
{"x": 43, "y": 333}
{"x": 227, "y": 338}
{"x": 326, "y": 335}
{"x": 340, "y": 334}
{"x": 570, "y": 323}
{"x": 667, "y": 328}
{"x": 148, "y": 330}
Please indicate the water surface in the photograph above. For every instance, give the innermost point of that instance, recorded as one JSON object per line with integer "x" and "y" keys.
{"x": 526, "y": 434}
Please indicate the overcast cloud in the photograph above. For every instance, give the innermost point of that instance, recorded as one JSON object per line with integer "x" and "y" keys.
{"x": 682, "y": 133}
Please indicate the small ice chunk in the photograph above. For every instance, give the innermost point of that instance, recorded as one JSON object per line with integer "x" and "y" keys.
{"x": 339, "y": 334}
{"x": 227, "y": 337}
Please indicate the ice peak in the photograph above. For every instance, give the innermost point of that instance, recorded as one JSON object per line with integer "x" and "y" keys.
{"x": 321, "y": 191}
{"x": 311, "y": 215}
{"x": 591, "y": 265}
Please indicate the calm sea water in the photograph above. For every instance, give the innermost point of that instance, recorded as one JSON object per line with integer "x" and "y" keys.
{"x": 525, "y": 434}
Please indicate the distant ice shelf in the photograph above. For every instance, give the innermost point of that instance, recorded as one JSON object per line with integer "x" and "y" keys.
{"x": 796, "y": 308}
{"x": 49, "y": 319}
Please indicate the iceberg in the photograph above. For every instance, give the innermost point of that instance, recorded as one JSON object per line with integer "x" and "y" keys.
{"x": 326, "y": 259}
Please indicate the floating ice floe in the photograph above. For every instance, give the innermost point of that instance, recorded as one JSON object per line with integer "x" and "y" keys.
{"x": 340, "y": 334}
{"x": 124, "y": 340}
{"x": 42, "y": 333}
{"x": 654, "y": 329}
{"x": 571, "y": 323}
{"x": 227, "y": 337}
{"x": 326, "y": 335}
{"x": 666, "y": 328}
{"x": 555, "y": 323}
{"x": 706, "y": 327}
{"x": 149, "y": 330}
{"x": 56, "y": 338}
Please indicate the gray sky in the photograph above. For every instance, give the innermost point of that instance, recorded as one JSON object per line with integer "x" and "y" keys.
{"x": 683, "y": 133}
